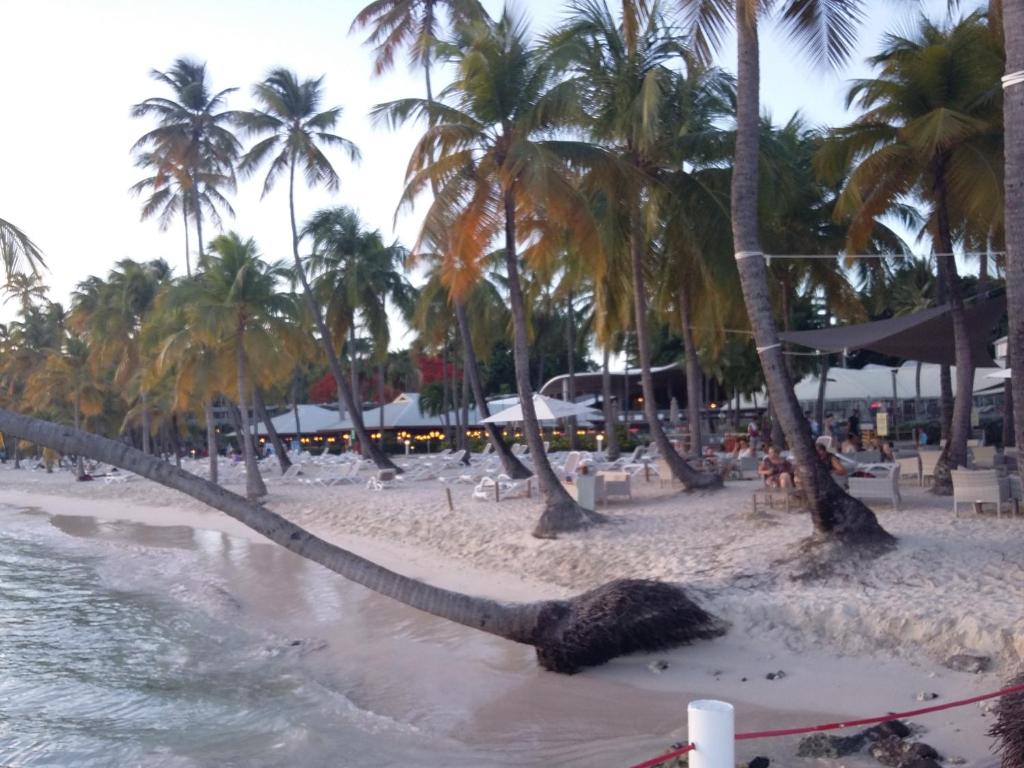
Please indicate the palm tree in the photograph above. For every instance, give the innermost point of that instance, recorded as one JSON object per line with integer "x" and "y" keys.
{"x": 1013, "y": 120}
{"x": 932, "y": 128}
{"x": 826, "y": 29}
{"x": 620, "y": 617}
{"x": 414, "y": 24}
{"x": 293, "y": 131}
{"x": 486, "y": 150}
{"x": 18, "y": 251}
{"x": 236, "y": 306}
{"x": 191, "y": 147}
{"x": 622, "y": 76}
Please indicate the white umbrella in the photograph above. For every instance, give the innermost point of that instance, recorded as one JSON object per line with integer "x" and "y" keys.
{"x": 547, "y": 408}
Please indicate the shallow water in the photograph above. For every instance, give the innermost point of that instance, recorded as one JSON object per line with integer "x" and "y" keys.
{"x": 126, "y": 644}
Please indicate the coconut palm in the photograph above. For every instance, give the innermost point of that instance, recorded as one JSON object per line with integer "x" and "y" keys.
{"x": 192, "y": 149}
{"x": 1013, "y": 120}
{"x": 619, "y": 617}
{"x": 497, "y": 173}
{"x": 825, "y": 29}
{"x": 109, "y": 314}
{"x": 291, "y": 131}
{"x": 622, "y": 75}
{"x": 932, "y": 128}
{"x": 17, "y": 251}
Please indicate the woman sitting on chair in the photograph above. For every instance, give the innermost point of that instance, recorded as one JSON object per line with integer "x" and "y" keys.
{"x": 776, "y": 471}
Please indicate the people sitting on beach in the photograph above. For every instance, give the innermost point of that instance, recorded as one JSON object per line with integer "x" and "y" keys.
{"x": 851, "y": 444}
{"x": 742, "y": 450}
{"x": 776, "y": 471}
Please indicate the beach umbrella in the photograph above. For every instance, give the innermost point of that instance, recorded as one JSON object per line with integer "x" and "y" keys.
{"x": 547, "y": 408}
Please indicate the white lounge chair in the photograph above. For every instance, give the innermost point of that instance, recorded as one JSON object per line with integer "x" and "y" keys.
{"x": 910, "y": 466}
{"x": 502, "y": 486}
{"x": 885, "y": 484}
{"x": 981, "y": 486}
{"x": 568, "y": 470}
{"x": 929, "y": 460}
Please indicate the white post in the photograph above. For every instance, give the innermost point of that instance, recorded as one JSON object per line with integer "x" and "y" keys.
{"x": 711, "y": 728}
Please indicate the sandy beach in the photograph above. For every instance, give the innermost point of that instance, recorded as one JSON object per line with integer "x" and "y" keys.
{"x": 859, "y": 645}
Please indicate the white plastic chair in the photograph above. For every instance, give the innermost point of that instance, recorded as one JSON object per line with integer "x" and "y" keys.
{"x": 981, "y": 486}
{"x": 885, "y": 485}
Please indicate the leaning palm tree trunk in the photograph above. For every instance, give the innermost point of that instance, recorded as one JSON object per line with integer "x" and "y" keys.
{"x": 837, "y": 517}
{"x": 275, "y": 439}
{"x": 617, "y": 618}
{"x": 687, "y": 475}
{"x": 345, "y": 395}
{"x": 561, "y": 512}
{"x": 512, "y": 466}
{"x": 610, "y": 425}
{"x": 254, "y": 487}
{"x": 1013, "y": 120}
{"x": 211, "y": 441}
{"x": 693, "y": 373}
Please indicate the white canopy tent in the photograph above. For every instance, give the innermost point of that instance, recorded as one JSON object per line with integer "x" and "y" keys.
{"x": 547, "y": 408}
{"x": 312, "y": 419}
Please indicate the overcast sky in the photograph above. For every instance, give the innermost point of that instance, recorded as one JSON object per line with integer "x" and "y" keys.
{"x": 71, "y": 69}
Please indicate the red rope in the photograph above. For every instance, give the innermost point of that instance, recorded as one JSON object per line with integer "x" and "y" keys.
{"x": 843, "y": 724}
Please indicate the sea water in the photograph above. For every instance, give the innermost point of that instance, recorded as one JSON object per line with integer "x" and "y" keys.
{"x": 124, "y": 644}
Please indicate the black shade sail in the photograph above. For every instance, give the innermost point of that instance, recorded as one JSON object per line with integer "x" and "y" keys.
{"x": 926, "y": 335}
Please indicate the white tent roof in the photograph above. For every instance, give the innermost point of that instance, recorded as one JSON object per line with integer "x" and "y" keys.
{"x": 312, "y": 418}
{"x": 547, "y": 409}
{"x": 874, "y": 382}
{"x": 402, "y": 413}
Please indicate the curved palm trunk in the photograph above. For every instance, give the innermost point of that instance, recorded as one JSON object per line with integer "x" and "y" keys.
{"x": 295, "y": 408}
{"x": 512, "y": 466}
{"x": 610, "y": 426}
{"x": 79, "y": 459}
{"x": 819, "y": 408}
{"x": 694, "y": 398}
{"x": 687, "y": 475}
{"x": 955, "y": 453}
{"x": 345, "y": 395}
{"x": 175, "y": 442}
{"x": 211, "y": 442}
{"x": 254, "y": 487}
{"x": 275, "y": 439}
{"x": 561, "y": 512}
{"x": 571, "y": 368}
{"x": 188, "y": 261}
{"x": 1013, "y": 120}
{"x": 836, "y": 516}
{"x": 620, "y": 617}
{"x": 146, "y": 423}
{"x": 197, "y": 211}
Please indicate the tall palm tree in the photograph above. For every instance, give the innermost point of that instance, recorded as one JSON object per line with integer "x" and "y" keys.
{"x": 192, "y": 146}
{"x": 498, "y": 174}
{"x": 236, "y": 305}
{"x": 826, "y": 30}
{"x": 933, "y": 128}
{"x": 414, "y": 24}
{"x": 1013, "y": 120}
{"x": 291, "y": 131}
{"x": 622, "y": 74}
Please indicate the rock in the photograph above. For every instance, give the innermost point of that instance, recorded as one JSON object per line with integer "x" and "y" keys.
{"x": 743, "y": 679}
{"x": 926, "y": 696}
{"x": 888, "y": 751}
{"x": 759, "y": 762}
{"x": 918, "y": 750}
{"x": 658, "y": 666}
{"x": 823, "y": 745}
{"x": 881, "y": 731}
{"x": 775, "y": 675}
{"x": 965, "y": 662}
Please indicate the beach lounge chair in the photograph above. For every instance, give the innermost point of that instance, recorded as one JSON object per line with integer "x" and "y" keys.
{"x": 982, "y": 486}
{"x": 454, "y": 459}
{"x": 910, "y": 466}
{"x": 502, "y": 486}
{"x": 567, "y": 472}
{"x": 885, "y": 485}
{"x": 929, "y": 460}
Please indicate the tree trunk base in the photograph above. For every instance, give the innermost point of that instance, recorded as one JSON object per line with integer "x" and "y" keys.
{"x": 942, "y": 485}
{"x": 620, "y": 617}
{"x": 691, "y": 479}
{"x": 564, "y": 517}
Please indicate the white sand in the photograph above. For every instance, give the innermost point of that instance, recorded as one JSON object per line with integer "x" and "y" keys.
{"x": 851, "y": 647}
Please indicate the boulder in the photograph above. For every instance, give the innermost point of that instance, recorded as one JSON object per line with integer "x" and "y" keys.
{"x": 895, "y": 728}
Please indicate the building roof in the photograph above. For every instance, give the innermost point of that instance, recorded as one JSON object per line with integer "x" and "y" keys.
{"x": 312, "y": 418}
{"x": 874, "y": 382}
{"x": 401, "y": 413}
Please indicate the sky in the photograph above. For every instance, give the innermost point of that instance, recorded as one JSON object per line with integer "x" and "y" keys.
{"x": 71, "y": 69}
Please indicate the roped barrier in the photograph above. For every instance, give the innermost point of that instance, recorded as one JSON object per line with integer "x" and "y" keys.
{"x": 842, "y": 724}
